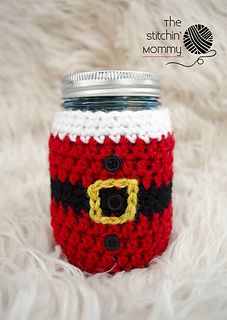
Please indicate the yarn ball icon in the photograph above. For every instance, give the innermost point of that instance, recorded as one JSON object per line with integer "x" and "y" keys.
{"x": 198, "y": 39}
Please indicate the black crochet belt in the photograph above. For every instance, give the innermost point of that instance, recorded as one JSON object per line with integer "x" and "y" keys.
{"x": 113, "y": 200}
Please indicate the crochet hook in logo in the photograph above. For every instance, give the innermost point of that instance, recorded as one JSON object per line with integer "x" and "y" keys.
{"x": 198, "y": 39}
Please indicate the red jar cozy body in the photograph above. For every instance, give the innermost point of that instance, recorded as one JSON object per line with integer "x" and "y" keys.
{"x": 111, "y": 186}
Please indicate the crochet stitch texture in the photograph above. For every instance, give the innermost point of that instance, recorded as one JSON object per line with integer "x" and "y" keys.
{"x": 81, "y": 184}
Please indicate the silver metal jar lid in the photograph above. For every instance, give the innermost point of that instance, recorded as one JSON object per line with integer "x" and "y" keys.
{"x": 110, "y": 83}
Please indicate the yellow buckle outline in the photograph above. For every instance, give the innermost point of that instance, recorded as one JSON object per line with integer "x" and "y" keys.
{"x": 95, "y": 209}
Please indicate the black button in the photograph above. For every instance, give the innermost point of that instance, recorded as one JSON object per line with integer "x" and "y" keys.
{"x": 112, "y": 242}
{"x": 112, "y": 163}
{"x": 115, "y": 202}
{"x": 108, "y": 193}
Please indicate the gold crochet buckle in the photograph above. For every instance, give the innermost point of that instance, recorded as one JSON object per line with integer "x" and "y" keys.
{"x": 96, "y": 213}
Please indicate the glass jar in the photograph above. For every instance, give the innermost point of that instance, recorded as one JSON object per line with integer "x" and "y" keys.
{"x": 111, "y": 168}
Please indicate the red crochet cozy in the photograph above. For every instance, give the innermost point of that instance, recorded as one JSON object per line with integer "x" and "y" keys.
{"x": 94, "y": 246}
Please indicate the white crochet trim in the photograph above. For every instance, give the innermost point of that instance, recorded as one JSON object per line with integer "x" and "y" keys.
{"x": 143, "y": 124}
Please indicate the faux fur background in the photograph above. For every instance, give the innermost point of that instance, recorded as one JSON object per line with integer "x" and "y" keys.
{"x": 40, "y": 42}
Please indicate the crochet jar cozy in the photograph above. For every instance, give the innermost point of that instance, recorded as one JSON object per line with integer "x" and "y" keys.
{"x": 111, "y": 156}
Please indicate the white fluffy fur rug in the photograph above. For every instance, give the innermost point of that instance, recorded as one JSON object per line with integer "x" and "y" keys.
{"x": 40, "y": 42}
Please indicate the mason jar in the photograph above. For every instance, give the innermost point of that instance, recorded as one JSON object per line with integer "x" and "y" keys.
{"x": 111, "y": 167}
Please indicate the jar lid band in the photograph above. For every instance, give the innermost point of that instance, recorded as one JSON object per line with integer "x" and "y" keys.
{"x": 110, "y": 83}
